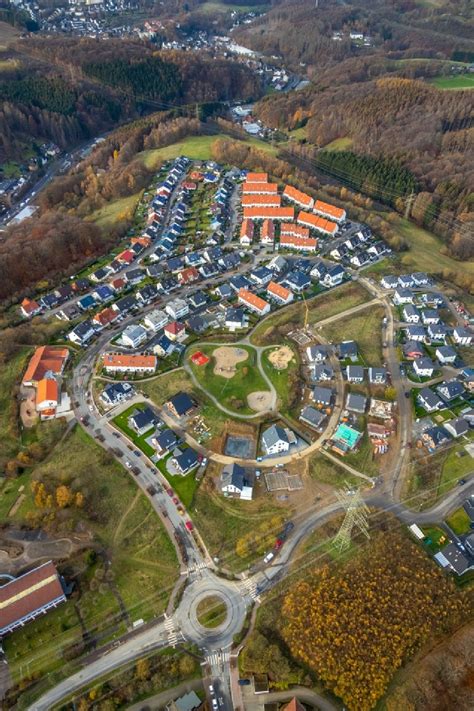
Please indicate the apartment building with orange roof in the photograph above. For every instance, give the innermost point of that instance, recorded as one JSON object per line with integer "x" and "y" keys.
{"x": 317, "y": 223}
{"x": 259, "y": 188}
{"x": 45, "y": 359}
{"x": 267, "y": 233}
{"x": 134, "y": 363}
{"x": 297, "y": 196}
{"x": 256, "y": 178}
{"x": 330, "y": 211}
{"x": 261, "y": 201}
{"x": 279, "y": 293}
{"x": 253, "y": 302}
{"x": 47, "y": 398}
{"x": 269, "y": 213}
{"x": 300, "y": 244}
{"x": 246, "y": 232}
{"x": 290, "y": 229}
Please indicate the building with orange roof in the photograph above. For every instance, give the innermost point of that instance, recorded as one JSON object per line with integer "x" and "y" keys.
{"x": 301, "y": 244}
{"x": 331, "y": 211}
{"x": 256, "y": 178}
{"x": 290, "y": 229}
{"x": 293, "y": 705}
{"x": 143, "y": 240}
{"x": 134, "y": 363}
{"x": 261, "y": 201}
{"x": 317, "y": 223}
{"x": 269, "y": 213}
{"x": 47, "y": 397}
{"x": 45, "y": 359}
{"x": 302, "y": 199}
{"x": 246, "y": 232}
{"x": 105, "y": 317}
{"x": 267, "y": 233}
{"x": 259, "y": 188}
{"x": 117, "y": 284}
{"x": 188, "y": 275}
{"x": 126, "y": 257}
{"x": 29, "y": 308}
{"x": 279, "y": 293}
{"x": 253, "y": 302}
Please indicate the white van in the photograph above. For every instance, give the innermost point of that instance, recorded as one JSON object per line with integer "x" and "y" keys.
{"x": 268, "y": 557}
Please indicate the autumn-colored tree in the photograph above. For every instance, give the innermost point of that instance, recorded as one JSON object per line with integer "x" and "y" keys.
{"x": 79, "y": 499}
{"x": 63, "y": 496}
{"x": 142, "y": 669}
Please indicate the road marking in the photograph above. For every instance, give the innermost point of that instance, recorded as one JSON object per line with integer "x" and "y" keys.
{"x": 248, "y": 586}
{"x": 197, "y": 566}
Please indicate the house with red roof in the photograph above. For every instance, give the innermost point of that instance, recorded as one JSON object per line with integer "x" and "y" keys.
{"x": 267, "y": 233}
{"x": 29, "y": 308}
{"x": 175, "y": 331}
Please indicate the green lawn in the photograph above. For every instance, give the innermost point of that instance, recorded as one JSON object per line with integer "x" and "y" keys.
{"x": 362, "y": 459}
{"x": 121, "y": 421}
{"x": 365, "y": 328}
{"x": 319, "y": 308}
{"x": 211, "y": 611}
{"x": 124, "y": 530}
{"x": 459, "y": 521}
{"x": 425, "y": 251}
{"x": 284, "y": 381}
{"x": 298, "y": 133}
{"x": 115, "y": 211}
{"x": 435, "y": 539}
{"x": 231, "y": 392}
{"x": 326, "y": 471}
{"x": 460, "y": 81}
{"x": 184, "y": 486}
{"x": 339, "y": 144}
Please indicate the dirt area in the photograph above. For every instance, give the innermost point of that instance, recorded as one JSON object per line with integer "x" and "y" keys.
{"x": 281, "y": 357}
{"x": 227, "y": 358}
{"x": 260, "y": 400}
{"x": 28, "y": 413}
{"x": 16, "y": 554}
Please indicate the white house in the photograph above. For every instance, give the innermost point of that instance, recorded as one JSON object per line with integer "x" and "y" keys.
{"x": 276, "y": 440}
{"x": 402, "y": 296}
{"x": 333, "y": 276}
{"x": 133, "y": 336}
{"x": 445, "y": 354}
{"x": 155, "y": 320}
{"x": 411, "y": 314}
{"x": 462, "y": 336}
{"x": 423, "y": 367}
{"x": 177, "y": 308}
{"x": 279, "y": 293}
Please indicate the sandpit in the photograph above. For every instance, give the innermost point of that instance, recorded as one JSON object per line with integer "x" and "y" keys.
{"x": 260, "y": 400}
{"x": 281, "y": 357}
{"x": 227, "y": 358}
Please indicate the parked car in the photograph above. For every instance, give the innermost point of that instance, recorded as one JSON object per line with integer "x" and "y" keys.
{"x": 189, "y": 525}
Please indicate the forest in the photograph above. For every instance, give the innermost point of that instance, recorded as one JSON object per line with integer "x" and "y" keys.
{"x": 416, "y": 136}
{"x": 352, "y": 626}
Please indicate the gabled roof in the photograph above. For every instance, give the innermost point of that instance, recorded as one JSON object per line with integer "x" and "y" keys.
{"x": 328, "y": 209}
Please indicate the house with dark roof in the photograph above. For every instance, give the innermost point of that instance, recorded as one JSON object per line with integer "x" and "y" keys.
{"x": 237, "y": 481}
{"x": 412, "y": 350}
{"x": 435, "y": 437}
{"x": 462, "y": 336}
{"x": 181, "y": 404}
{"x": 449, "y": 390}
{"x": 322, "y": 396}
{"x": 457, "y": 427}
{"x": 423, "y": 367}
{"x": 114, "y": 393}
{"x": 438, "y": 332}
{"x": 186, "y": 461}
{"x": 312, "y": 417}
{"x": 164, "y": 441}
{"x": 378, "y": 376}
{"x": 321, "y": 373}
{"x": 276, "y": 439}
{"x": 347, "y": 350}
{"x": 317, "y": 354}
{"x": 429, "y": 400}
{"x": 415, "y": 333}
{"x": 445, "y": 355}
{"x": 143, "y": 420}
{"x": 356, "y": 403}
{"x": 355, "y": 374}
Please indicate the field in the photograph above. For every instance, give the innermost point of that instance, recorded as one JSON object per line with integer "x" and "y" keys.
{"x": 460, "y": 81}
{"x": 459, "y": 521}
{"x": 7, "y": 34}
{"x": 125, "y": 531}
{"x": 232, "y": 392}
{"x": 365, "y": 328}
{"x": 284, "y": 381}
{"x": 115, "y": 211}
{"x": 212, "y": 7}
{"x": 339, "y": 144}
{"x": 325, "y": 471}
{"x": 425, "y": 251}
{"x": 319, "y": 308}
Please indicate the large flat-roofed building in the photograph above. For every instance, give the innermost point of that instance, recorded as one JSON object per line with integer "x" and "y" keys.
{"x": 29, "y": 596}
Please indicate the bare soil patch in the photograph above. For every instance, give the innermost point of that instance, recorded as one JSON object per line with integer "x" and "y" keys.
{"x": 260, "y": 400}
{"x": 227, "y": 358}
{"x": 28, "y": 414}
{"x": 281, "y": 357}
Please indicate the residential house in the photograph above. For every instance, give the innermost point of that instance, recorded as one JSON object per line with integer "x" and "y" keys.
{"x": 186, "y": 461}
{"x": 339, "y": 252}
{"x": 355, "y": 373}
{"x": 175, "y": 331}
{"x": 347, "y": 350}
{"x": 197, "y": 324}
{"x": 420, "y": 279}
{"x": 298, "y": 243}
{"x": 260, "y": 201}
{"x": 246, "y": 233}
{"x": 410, "y": 314}
{"x": 276, "y": 439}
{"x": 445, "y": 355}
{"x": 86, "y": 303}
{"x": 143, "y": 420}
{"x": 377, "y": 376}
{"x": 321, "y": 373}
{"x": 322, "y": 396}
{"x": 103, "y": 293}
{"x": 462, "y": 336}
{"x": 239, "y": 281}
{"x": 46, "y": 361}
{"x": 164, "y": 441}
{"x": 134, "y": 276}
{"x": 261, "y": 276}
{"x": 312, "y": 417}
{"x": 237, "y": 481}
{"x": 267, "y": 232}
{"x": 100, "y": 274}
{"x": 317, "y": 354}
{"x": 423, "y": 367}
{"x": 406, "y": 281}
{"x": 457, "y": 427}
{"x": 338, "y": 214}
{"x": 164, "y": 347}
{"x": 155, "y": 320}
{"x": 180, "y": 404}
{"x": 450, "y": 390}
{"x": 278, "y": 264}
{"x": 435, "y": 437}
{"x": 412, "y": 349}
{"x": 452, "y": 557}
{"x": 133, "y": 336}
{"x": 177, "y": 308}
{"x": 123, "y": 363}
{"x": 430, "y": 316}
{"x": 198, "y": 300}
{"x": 318, "y": 271}
{"x": 188, "y": 276}
{"x": 253, "y": 302}
{"x": 298, "y": 197}
{"x": 235, "y": 318}
{"x": 429, "y": 400}
{"x": 297, "y": 281}
{"x": 356, "y": 403}
{"x": 105, "y": 317}
{"x": 279, "y": 293}
{"x": 415, "y": 333}
{"x": 403, "y": 296}
{"x": 114, "y": 393}
{"x": 360, "y": 259}
{"x": 269, "y": 213}
{"x": 126, "y": 304}
{"x": 334, "y": 276}
{"x": 438, "y": 332}
{"x": 82, "y": 333}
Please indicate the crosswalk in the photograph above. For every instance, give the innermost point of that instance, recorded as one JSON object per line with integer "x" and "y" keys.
{"x": 196, "y": 566}
{"x": 217, "y": 659}
{"x": 248, "y": 586}
{"x": 173, "y": 635}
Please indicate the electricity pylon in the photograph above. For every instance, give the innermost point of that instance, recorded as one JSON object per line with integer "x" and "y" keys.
{"x": 356, "y": 516}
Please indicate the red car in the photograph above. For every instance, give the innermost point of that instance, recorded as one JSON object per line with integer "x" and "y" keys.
{"x": 175, "y": 500}
{"x": 189, "y": 525}
{"x": 278, "y": 544}
{"x": 170, "y": 492}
